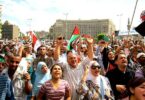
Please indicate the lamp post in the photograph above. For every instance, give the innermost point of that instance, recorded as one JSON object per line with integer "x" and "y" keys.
{"x": 120, "y": 17}
{"x": 66, "y": 14}
{"x": 128, "y": 27}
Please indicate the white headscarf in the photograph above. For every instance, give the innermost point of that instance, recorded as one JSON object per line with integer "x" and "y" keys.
{"x": 96, "y": 79}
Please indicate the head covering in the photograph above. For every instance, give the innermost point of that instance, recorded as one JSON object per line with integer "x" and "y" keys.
{"x": 99, "y": 80}
{"x": 140, "y": 54}
{"x": 90, "y": 76}
{"x": 102, "y": 36}
{"x": 41, "y": 77}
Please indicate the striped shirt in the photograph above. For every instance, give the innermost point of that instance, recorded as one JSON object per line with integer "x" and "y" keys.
{"x": 4, "y": 87}
{"x": 55, "y": 94}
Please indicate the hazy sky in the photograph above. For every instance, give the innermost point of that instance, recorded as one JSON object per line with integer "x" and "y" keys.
{"x": 41, "y": 14}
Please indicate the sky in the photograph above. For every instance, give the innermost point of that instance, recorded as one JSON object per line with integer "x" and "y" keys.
{"x": 42, "y": 14}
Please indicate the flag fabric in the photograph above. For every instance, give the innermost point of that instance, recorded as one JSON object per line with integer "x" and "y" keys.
{"x": 74, "y": 36}
{"x": 141, "y": 28}
{"x": 116, "y": 32}
{"x": 35, "y": 41}
{"x": 102, "y": 36}
{"x": 142, "y": 15}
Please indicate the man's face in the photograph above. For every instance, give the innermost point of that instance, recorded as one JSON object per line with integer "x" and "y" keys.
{"x": 141, "y": 60}
{"x": 72, "y": 60}
{"x": 14, "y": 62}
{"x": 122, "y": 60}
{"x": 42, "y": 50}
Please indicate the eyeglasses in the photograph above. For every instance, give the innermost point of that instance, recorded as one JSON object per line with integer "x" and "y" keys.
{"x": 94, "y": 67}
{"x": 60, "y": 38}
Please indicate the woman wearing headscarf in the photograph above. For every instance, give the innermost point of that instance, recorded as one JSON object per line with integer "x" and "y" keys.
{"x": 94, "y": 86}
{"x": 42, "y": 74}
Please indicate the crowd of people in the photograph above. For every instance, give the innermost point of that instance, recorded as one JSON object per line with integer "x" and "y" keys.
{"x": 102, "y": 70}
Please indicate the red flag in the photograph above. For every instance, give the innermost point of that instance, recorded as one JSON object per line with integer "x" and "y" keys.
{"x": 35, "y": 41}
{"x": 76, "y": 31}
{"x": 142, "y": 16}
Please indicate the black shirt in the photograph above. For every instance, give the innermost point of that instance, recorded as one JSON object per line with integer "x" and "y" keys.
{"x": 116, "y": 77}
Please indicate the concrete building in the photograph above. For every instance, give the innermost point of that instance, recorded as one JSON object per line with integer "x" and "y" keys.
{"x": 10, "y": 31}
{"x": 92, "y": 27}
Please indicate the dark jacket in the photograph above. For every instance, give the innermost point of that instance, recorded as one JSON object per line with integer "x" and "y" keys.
{"x": 115, "y": 77}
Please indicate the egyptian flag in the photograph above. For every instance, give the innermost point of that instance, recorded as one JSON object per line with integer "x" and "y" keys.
{"x": 74, "y": 36}
{"x": 35, "y": 41}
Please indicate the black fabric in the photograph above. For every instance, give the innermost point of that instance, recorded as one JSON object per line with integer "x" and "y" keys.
{"x": 117, "y": 77}
{"x": 141, "y": 29}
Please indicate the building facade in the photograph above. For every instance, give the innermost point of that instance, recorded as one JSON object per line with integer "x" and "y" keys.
{"x": 10, "y": 31}
{"x": 92, "y": 27}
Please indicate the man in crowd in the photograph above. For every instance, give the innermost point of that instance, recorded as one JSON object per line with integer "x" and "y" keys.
{"x": 120, "y": 76}
{"x": 5, "y": 84}
{"x": 42, "y": 56}
{"x": 140, "y": 72}
{"x": 20, "y": 81}
{"x": 73, "y": 69}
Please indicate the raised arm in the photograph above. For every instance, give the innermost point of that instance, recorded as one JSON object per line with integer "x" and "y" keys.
{"x": 57, "y": 49}
{"x": 90, "y": 48}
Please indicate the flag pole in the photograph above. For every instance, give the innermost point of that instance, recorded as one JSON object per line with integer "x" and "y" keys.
{"x": 130, "y": 23}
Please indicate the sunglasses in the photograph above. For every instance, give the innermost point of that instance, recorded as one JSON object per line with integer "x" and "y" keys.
{"x": 94, "y": 67}
{"x": 60, "y": 38}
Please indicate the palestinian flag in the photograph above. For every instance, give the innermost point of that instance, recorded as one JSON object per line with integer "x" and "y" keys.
{"x": 74, "y": 36}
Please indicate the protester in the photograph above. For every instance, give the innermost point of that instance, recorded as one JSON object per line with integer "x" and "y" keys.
{"x": 136, "y": 88}
{"x": 102, "y": 49}
{"x": 94, "y": 86}
{"x": 20, "y": 79}
{"x": 140, "y": 72}
{"x": 120, "y": 76}
{"x": 6, "y": 92}
{"x": 42, "y": 74}
{"x": 42, "y": 56}
{"x": 73, "y": 69}
{"x": 56, "y": 88}
{"x": 108, "y": 60}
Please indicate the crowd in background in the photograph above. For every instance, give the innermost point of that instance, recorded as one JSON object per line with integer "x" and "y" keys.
{"x": 90, "y": 70}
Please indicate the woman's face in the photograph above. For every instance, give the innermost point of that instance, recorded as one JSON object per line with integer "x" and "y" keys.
{"x": 56, "y": 72}
{"x": 44, "y": 69}
{"x": 111, "y": 56}
{"x": 139, "y": 92}
{"x": 95, "y": 70}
